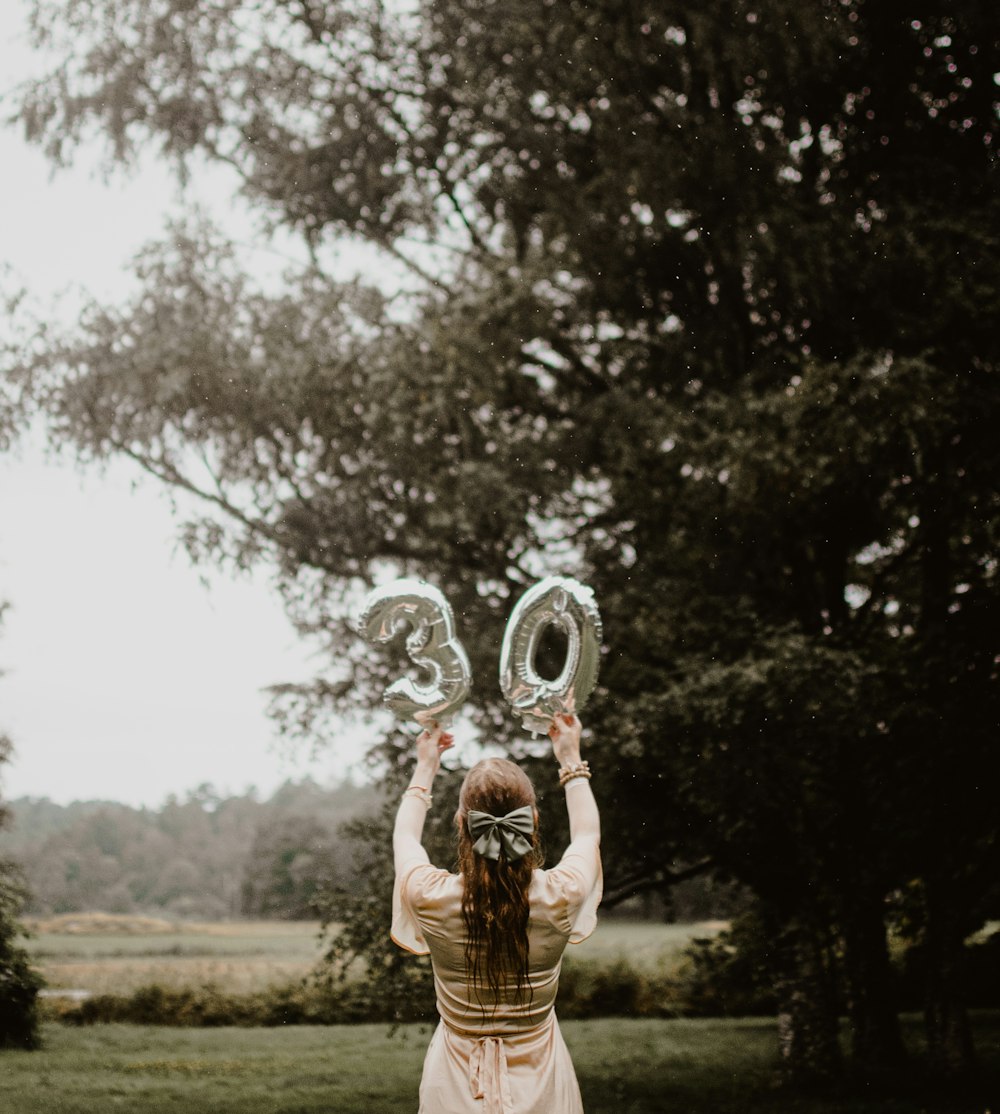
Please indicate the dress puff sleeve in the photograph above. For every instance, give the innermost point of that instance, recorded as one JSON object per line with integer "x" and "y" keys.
{"x": 580, "y": 880}
{"x": 406, "y": 930}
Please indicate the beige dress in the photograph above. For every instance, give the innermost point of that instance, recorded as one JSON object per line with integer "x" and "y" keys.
{"x": 512, "y": 1059}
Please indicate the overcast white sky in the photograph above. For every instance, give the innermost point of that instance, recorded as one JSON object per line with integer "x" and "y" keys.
{"x": 126, "y": 677}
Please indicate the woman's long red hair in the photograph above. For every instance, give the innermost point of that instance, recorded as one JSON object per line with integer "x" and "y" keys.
{"x": 495, "y": 894}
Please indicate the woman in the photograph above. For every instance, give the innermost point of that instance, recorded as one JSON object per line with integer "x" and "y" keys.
{"x": 496, "y": 931}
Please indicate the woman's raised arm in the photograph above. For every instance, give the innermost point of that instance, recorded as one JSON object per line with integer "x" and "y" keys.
{"x": 584, "y": 819}
{"x": 409, "y": 828}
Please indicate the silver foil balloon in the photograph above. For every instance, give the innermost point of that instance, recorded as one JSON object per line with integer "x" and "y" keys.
{"x": 557, "y": 601}
{"x": 431, "y": 644}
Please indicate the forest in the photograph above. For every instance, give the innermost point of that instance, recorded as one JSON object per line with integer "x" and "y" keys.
{"x": 201, "y": 857}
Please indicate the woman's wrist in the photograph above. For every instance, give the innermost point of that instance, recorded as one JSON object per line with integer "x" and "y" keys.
{"x": 421, "y": 781}
{"x": 574, "y": 772}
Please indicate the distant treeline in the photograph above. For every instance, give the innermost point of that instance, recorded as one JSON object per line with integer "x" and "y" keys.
{"x": 209, "y": 857}
{"x": 203, "y": 856}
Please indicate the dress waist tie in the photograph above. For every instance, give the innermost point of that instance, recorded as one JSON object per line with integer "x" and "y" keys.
{"x": 488, "y": 1076}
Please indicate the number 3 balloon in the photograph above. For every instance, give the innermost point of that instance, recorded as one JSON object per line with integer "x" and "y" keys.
{"x": 431, "y": 644}
{"x": 557, "y": 601}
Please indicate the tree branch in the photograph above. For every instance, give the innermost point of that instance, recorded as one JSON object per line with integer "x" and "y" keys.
{"x": 658, "y": 880}
{"x": 168, "y": 474}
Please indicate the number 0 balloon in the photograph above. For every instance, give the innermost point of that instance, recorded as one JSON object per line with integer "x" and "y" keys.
{"x": 431, "y": 644}
{"x": 557, "y": 601}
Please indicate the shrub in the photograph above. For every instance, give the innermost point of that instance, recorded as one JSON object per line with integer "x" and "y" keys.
{"x": 19, "y": 982}
{"x": 729, "y": 975}
{"x": 589, "y": 990}
{"x": 208, "y": 1006}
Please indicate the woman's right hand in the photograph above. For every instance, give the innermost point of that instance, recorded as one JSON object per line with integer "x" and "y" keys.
{"x": 431, "y": 744}
{"x": 565, "y": 735}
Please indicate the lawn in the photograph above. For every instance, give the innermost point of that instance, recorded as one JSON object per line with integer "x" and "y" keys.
{"x": 108, "y": 955}
{"x": 647, "y": 946}
{"x": 625, "y": 1067}
{"x": 117, "y": 955}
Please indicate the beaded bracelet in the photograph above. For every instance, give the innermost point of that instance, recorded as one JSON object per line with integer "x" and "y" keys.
{"x": 578, "y": 769}
{"x": 420, "y": 793}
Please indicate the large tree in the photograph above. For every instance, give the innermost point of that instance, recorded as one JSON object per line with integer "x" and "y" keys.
{"x": 692, "y": 304}
{"x": 19, "y": 982}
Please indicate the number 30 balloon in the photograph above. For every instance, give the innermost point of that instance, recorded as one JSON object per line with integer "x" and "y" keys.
{"x": 431, "y": 644}
{"x": 557, "y": 601}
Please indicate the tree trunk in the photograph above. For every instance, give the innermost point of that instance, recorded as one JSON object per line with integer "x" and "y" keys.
{"x": 876, "y": 1043}
{"x": 949, "y": 1037}
{"x": 807, "y": 1015}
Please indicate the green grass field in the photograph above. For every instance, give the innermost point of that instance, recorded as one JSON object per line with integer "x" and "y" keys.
{"x": 118, "y": 955}
{"x": 108, "y": 955}
{"x": 647, "y": 946}
{"x": 624, "y": 1066}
